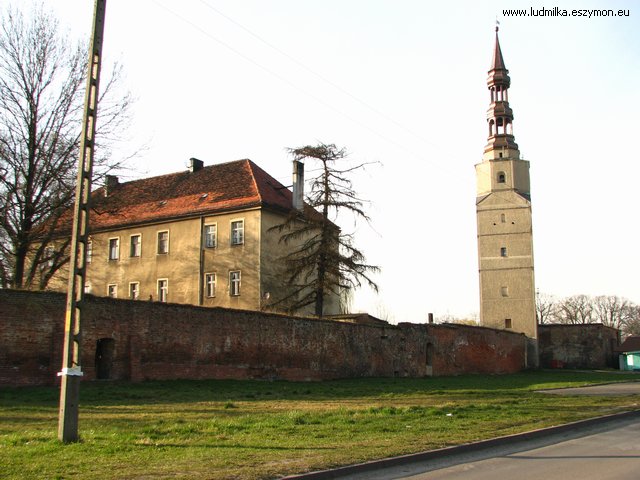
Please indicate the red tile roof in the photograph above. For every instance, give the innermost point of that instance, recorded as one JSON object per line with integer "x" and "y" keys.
{"x": 213, "y": 189}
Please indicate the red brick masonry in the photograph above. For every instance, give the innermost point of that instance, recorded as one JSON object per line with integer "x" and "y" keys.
{"x": 164, "y": 341}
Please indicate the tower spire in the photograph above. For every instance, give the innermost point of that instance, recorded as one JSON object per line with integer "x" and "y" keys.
{"x": 503, "y": 209}
{"x": 501, "y": 142}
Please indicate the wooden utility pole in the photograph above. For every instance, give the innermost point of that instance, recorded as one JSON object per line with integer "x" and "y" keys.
{"x": 71, "y": 369}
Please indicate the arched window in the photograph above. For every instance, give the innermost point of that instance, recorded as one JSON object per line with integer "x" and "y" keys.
{"x": 502, "y": 178}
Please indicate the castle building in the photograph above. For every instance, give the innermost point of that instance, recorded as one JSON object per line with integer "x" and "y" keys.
{"x": 201, "y": 237}
{"x": 503, "y": 208}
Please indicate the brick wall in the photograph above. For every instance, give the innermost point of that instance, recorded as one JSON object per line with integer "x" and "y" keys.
{"x": 578, "y": 346}
{"x": 146, "y": 340}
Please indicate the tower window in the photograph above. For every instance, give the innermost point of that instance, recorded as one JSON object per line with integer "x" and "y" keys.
{"x": 502, "y": 178}
{"x": 503, "y": 251}
{"x": 507, "y": 323}
{"x": 503, "y": 218}
{"x": 504, "y": 291}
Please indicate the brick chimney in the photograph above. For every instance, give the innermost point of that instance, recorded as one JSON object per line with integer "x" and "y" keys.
{"x": 298, "y": 185}
{"x": 195, "y": 164}
{"x": 111, "y": 182}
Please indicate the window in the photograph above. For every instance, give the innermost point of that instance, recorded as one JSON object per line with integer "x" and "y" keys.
{"x": 163, "y": 290}
{"x": 503, "y": 218}
{"x": 502, "y": 178}
{"x": 87, "y": 287}
{"x": 210, "y": 236}
{"x": 234, "y": 283}
{"x": 503, "y": 251}
{"x": 136, "y": 246}
{"x": 163, "y": 242}
{"x": 507, "y": 323}
{"x": 47, "y": 259}
{"x": 89, "y": 251}
{"x": 134, "y": 290}
{"x": 504, "y": 291}
{"x": 210, "y": 284}
{"x": 114, "y": 248}
{"x": 237, "y": 232}
{"x": 112, "y": 290}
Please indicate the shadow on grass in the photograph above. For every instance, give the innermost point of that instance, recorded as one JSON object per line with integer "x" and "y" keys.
{"x": 231, "y": 446}
{"x": 178, "y": 391}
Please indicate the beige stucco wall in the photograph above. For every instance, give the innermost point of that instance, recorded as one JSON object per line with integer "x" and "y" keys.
{"x": 516, "y": 175}
{"x": 507, "y": 285}
{"x": 272, "y": 267}
{"x": 259, "y": 259}
{"x": 225, "y": 258}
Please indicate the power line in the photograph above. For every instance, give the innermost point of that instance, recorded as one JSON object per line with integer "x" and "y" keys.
{"x": 439, "y": 165}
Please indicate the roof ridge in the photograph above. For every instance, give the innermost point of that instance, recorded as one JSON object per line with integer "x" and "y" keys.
{"x": 185, "y": 171}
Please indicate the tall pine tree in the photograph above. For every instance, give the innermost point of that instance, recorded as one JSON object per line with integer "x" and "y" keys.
{"x": 324, "y": 262}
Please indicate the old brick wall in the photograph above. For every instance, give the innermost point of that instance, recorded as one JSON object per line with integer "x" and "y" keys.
{"x": 165, "y": 341}
{"x": 466, "y": 349}
{"x": 578, "y": 346}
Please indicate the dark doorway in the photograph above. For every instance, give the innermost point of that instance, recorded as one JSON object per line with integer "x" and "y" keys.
{"x": 104, "y": 358}
{"x": 429, "y": 359}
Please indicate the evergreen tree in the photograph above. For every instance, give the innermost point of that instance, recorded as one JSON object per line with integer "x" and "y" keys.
{"x": 324, "y": 261}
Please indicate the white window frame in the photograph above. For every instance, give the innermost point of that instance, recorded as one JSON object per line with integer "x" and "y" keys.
{"x": 111, "y": 257}
{"x": 134, "y": 293}
{"x": 112, "y": 287}
{"x": 163, "y": 291}
{"x": 158, "y": 242}
{"x": 240, "y": 230}
{"x": 235, "y": 284}
{"x": 89, "y": 252}
{"x": 210, "y": 280}
{"x": 213, "y": 226}
{"x": 139, "y": 245}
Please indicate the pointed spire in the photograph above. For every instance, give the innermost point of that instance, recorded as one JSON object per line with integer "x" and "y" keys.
{"x": 501, "y": 142}
{"x": 498, "y": 61}
{"x": 498, "y": 74}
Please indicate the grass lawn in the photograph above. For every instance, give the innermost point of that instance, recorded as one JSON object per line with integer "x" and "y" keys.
{"x": 255, "y": 430}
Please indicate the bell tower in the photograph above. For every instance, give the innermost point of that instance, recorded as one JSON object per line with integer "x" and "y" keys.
{"x": 503, "y": 208}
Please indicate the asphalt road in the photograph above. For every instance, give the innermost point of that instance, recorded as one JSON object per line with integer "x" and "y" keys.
{"x": 597, "y": 449}
{"x": 612, "y": 454}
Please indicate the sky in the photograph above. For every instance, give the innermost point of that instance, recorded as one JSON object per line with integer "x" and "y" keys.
{"x": 401, "y": 84}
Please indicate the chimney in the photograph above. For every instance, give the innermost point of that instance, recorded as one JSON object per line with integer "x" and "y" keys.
{"x": 110, "y": 185}
{"x": 298, "y": 185}
{"x": 195, "y": 164}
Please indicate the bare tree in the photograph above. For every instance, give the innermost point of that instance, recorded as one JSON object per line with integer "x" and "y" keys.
{"x": 631, "y": 325}
{"x": 324, "y": 260}
{"x": 546, "y": 308}
{"x": 575, "y": 310}
{"x": 611, "y": 310}
{"x": 42, "y": 83}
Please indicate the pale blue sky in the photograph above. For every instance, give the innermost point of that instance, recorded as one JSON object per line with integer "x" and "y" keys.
{"x": 412, "y": 95}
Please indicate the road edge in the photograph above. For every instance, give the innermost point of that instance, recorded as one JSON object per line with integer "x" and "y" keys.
{"x": 464, "y": 448}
